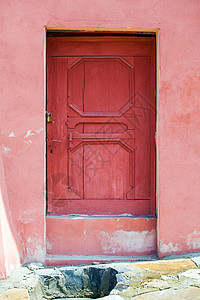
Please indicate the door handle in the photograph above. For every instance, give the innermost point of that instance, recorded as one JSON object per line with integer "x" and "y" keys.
{"x": 54, "y": 141}
{"x": 70, "y": 137}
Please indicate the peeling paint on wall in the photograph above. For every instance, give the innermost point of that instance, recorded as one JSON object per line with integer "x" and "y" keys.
{"x": 36, "y": 252}
{"x": 28, "y": 142}
{"x": 127, "y": 241}
{"x": 48, "y": 244}
{"x": 11, "y": 266}
{"x": 193, "y": 240}
{"x": 27, "y": 216}
{"x": 33, "y": 132}
{"x": 11, "y": 134}
{"x": 167, "y": 248}
{"x": 5, "y": 149}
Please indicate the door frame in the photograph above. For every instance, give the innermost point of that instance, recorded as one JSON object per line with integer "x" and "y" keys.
{"x": 112, "y": 31}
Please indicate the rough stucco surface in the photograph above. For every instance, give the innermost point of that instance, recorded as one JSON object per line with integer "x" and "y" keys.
{"x": 22, "y": 109}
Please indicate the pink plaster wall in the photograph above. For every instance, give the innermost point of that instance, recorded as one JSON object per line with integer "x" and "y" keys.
{"x": 22, "y": 109}
{"x": 10, "y": 247}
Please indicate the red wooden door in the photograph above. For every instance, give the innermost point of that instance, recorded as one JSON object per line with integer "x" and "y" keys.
{"x": 100, "y": 143}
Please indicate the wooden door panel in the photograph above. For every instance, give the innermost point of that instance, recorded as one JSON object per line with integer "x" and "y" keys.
{"x": 57, "y": 178}
{"x": 101, "y": 127}
{"x": 94, "y": 46}
{"x": 143, "y": 155}
{"x": 101, "y": 207}
{"x": 113, "y": 125}
{"x": 110, "y": 129}
{"x": 100, "y": 86}
{"x": 75, "y": 173}
{"x": 108, "y": 176}
{"x": 100, "y": 145}
{"x": 108, "y": 85}
{"x": 144, "y": 112}
{"x": 95, "y": 163}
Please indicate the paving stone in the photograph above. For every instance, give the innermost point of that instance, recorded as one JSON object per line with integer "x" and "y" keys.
{"x": 120, "y": 286}
{"x": 190, "y": 274}
{"x": 88, "y": 281}
{"x": 35, "y": 266}
{"x": 122, "y": 278}
{"x": 113, "y": 297}
{"x": 167, "y": 266}
{"x": 138, "y": 272}
{"x": 189, "y": 293}
{"x": 48, "y": 272}
{"x": 169, "y": 277}
{"x": 196, "y": 260}
{"x": 73, "y": 277}
{"x": 23, "y": 278}
{"x": 164, "y": 279}
{"x": 121, "y": 268}
{"x": 157, "y": 283}
{"x": 15, "y": 294}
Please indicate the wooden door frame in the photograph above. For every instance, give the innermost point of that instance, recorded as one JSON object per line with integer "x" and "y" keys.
{"x": 116, "y": 31}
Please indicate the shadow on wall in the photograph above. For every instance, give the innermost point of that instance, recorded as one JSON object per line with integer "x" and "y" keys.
{"x": 9, "y": 242}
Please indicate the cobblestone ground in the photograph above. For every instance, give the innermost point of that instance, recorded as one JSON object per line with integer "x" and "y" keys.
{"x": 162, "y": 279}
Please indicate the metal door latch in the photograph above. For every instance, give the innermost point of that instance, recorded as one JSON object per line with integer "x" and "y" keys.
{"x": 49, "y": 117}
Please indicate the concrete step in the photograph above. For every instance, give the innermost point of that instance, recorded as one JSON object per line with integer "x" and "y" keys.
{"x": 101, "y": 235}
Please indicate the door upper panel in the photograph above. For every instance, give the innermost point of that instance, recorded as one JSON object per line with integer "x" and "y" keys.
{"x": 100, "y": 86}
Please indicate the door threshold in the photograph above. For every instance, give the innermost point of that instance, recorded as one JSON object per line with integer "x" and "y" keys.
{"x": 81, "y": 216}
{"x": 61, "y": 260}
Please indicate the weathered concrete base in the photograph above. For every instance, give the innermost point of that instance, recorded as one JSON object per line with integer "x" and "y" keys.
{"x": 104, "y": 236}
